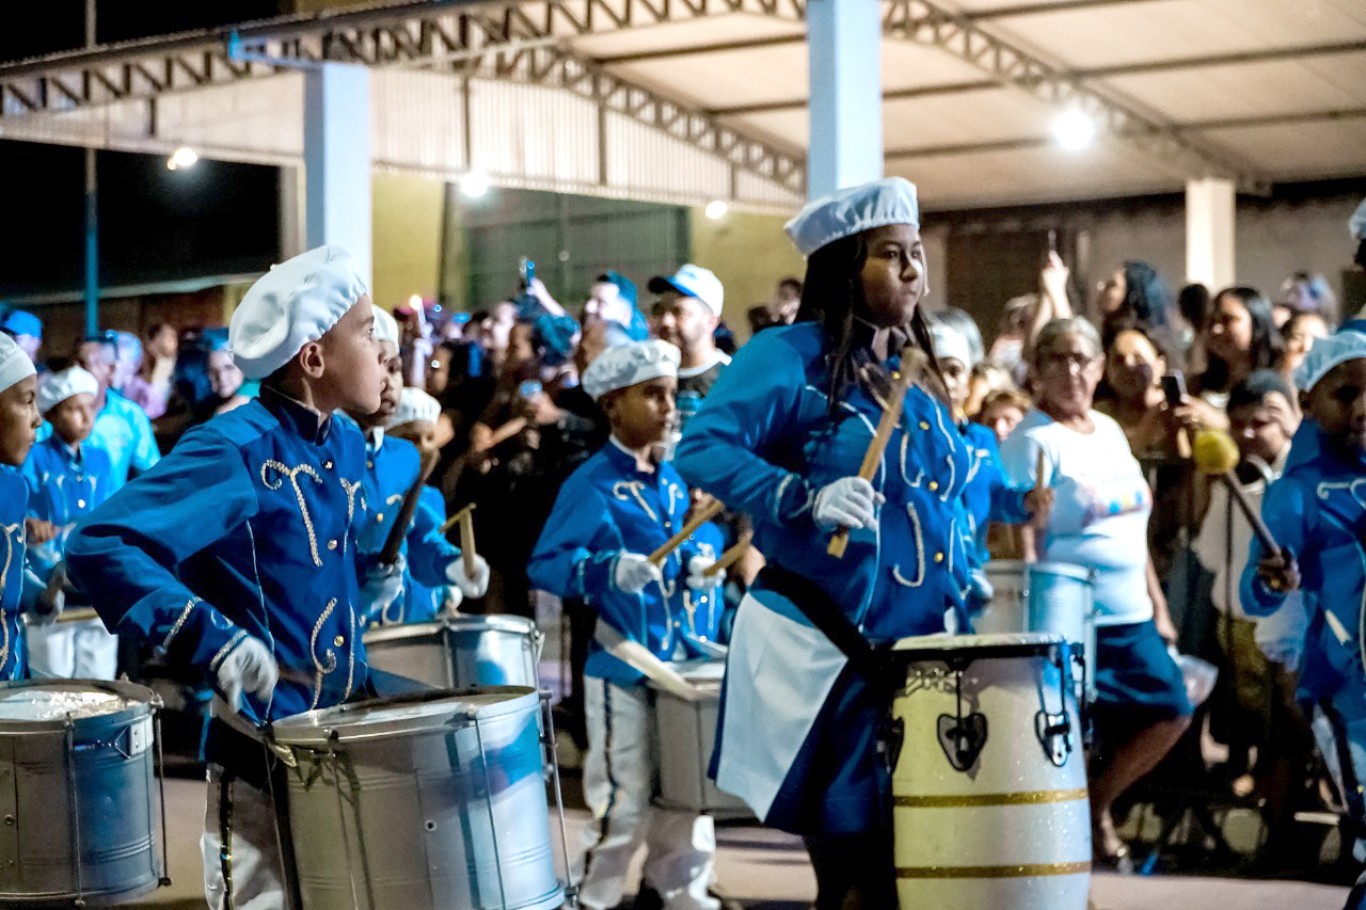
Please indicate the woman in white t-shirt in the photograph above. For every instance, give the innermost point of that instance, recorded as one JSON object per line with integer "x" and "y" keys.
{"x": 1099, "y": 521}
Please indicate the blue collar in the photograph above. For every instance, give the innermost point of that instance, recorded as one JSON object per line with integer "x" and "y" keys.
{"x": 626, "y": 460}
{"x": 297, "y": 416}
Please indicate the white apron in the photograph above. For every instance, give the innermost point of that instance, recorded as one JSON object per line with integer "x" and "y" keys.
{"x": 778, "y": 675}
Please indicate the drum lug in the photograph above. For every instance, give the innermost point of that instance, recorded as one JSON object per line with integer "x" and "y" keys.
{"x": 1055, "y": 735}
{"x": 962, "y": 738}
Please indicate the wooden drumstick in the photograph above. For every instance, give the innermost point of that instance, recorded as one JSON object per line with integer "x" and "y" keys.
{"x": 703, "y": 515}
{"x": 872, "y": 458}
{"x": 731, "y": 556}
{"x": 1040, "y": 466}
{"x": 466, "y": 517}
{"x": 394, "y": 542}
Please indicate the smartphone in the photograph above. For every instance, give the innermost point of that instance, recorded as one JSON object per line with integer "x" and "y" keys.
{"x": 529, "y": 389}
{"x": 1174, "y": 387}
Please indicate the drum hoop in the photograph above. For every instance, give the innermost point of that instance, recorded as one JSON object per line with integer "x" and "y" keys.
{"x": 974, "y": 653}
{"x": 144, "y": 703}
{"x": 320, "y": 729}
{"x": 403, "y": 632}
{"x": 495, "y": 622}
{"x": 1063, "y": 570}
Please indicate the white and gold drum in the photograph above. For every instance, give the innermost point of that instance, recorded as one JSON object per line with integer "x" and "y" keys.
{"x": 79, "y": 801}
{"x": 1044, "y": 597}
{"x": 686, "y": 736}
{"x": 434, "y": 801}
{"x": 990, "y": 805}
{"x": 460, "y": 651}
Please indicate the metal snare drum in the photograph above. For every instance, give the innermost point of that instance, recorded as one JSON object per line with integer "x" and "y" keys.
{"x": 460, "y": 651}
{"x": 77, "y": 761}
{"x": 686, "y": 735}
{"x": 1045, "y": 597}
{"x": 433, "y": 801}
{"x": 990, "y": 806}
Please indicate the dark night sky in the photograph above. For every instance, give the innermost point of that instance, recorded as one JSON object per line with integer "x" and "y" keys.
{"x": 155, "y": 224}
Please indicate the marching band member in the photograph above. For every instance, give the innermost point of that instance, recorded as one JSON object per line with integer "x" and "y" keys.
{"x": 987, "y": 496}
{"x": 67, "y": 480}
{"x": 781, "y": 437}
{"x": 392, "y": 466}
{"x": 1316, "y": 516}
{"x": 620, "y": 505}
{"x": 236, "y": 554}
{"x": 19, "y": 422}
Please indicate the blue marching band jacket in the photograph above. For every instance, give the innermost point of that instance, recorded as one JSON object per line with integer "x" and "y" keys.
{"x": 63, "y": 488}
{"x": 609, "y": 506}
{"x": 391, "y": 468}
{"x": 13, "y": 571}
{"x": 249, "y": 527}
{"x": 765, "y": 442}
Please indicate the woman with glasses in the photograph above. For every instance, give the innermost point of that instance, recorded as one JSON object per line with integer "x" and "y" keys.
{"x": 1099, "y": 521}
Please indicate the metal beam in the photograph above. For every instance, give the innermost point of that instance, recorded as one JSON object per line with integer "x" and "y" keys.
{"x": 926, "y": 22}
{"x": 925, "y": 91}
{"x": 723, "y": 47}
{"x": 1264, "y": 55}
{"x": 1192, "y": 126}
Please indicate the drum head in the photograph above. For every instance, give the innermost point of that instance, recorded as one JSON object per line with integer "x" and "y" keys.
{"x": 493, "y": 621}
{"x": 422, "y": 712}
{"x": 39, "y": 703}
{"x": 977, "y": 647}
{"x": 403, "y": 632}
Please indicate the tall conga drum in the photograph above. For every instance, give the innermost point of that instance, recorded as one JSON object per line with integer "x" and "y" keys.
{"x": 990, "y": 806}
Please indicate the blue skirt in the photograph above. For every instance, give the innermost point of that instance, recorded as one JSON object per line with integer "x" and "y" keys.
{"x": 1136, "y": 677}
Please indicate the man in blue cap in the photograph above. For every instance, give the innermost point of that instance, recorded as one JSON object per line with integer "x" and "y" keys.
{"x": 26, "y": 330}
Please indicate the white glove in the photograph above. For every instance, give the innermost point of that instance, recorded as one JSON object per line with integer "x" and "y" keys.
{"x": 697, "y": 581}
{"x": 474, "y": 587}
{"x": 850, "y": 502}
{"x": 382, "y": 584}
{"x": 634, "y": 573}
{"x": 249, "y": 667}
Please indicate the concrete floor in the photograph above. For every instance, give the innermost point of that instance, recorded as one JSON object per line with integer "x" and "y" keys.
{"x": 767, "y": 870}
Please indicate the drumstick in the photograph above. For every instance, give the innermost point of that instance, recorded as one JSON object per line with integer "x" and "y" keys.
{"x": 450, "y": 522}
{"x": 394, "y": 542}
{"x": 703, "y": 515}
{"x": 466, "y": 517}
{"x": 731, "y": 556}
{"x": 506, "y": 431}
{"x": 1040, "y": 466}
{"x": 872, "y": 458}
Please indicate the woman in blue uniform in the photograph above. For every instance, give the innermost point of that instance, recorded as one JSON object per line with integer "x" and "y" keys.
{"x": 781, "y": 437}
{"x": 19, "y": 422}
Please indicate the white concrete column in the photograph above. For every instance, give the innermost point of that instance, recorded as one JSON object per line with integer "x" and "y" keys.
{"x": 844, "y": 46}
{"x": 1211, "y": 217}
{"x": 337, "y": 160}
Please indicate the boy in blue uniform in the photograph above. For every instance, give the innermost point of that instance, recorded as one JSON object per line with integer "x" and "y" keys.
{"x": 1316, "y": 515}
{"x": 391, "y": 468}
{"x": 19, "y": 422}
{"x": 417, "y": 420}
{"x": 236, "y": 554}
{"x": 66, "y": 480}
{"x": 617, "y": 507}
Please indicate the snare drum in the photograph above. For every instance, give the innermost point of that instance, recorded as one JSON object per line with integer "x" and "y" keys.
{"x": 459, "y": 652}
{"x": 79, "y": 796}
{"x": 686, "y": 733}
{"x": 1044, "y": 597}
{"x": 990, "y": 806}
{"x": 424, "y": 802}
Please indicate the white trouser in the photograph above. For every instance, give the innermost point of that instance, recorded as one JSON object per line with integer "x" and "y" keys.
{"x": 73, "y": 650}
{"x": 618, "y": 781}
{"x": 253, "y": 859}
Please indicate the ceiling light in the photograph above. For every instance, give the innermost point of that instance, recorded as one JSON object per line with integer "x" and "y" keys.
{"x": 181, "y": 158}
{"x": 1074, "y": 130}
{"x": 474, "y": 185}
{"x": 716, "y": 209}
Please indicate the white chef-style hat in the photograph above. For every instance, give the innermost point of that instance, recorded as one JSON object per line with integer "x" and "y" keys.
{"x": 950, "y": 344}
{"x": 15, "y": 365}
{"x": 415, "y": 404}
{"x": 386, "y": 326}
{"x": 54, "y": 388}
{"x": 1327, "y": 353}
{"x": 296, "y": 302}
{"x": 891, "y": 200}
{"x": 693, "y": 281}
{"x": 627, "y": 364}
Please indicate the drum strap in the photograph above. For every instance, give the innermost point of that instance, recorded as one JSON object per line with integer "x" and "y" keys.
{"x": 826, "y": 616}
